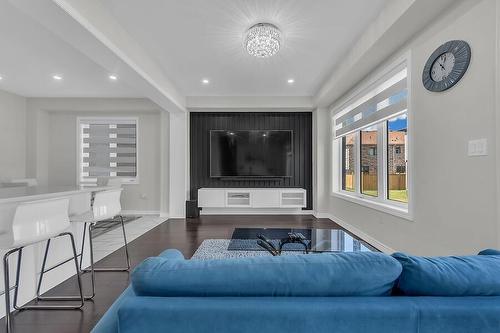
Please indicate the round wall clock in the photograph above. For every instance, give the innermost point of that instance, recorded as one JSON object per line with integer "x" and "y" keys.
{"x": 446, "y": 66}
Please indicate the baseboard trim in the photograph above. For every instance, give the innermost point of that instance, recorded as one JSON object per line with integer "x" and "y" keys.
{"x": 377, "y": 244}
{"x": 255, "y": 211}
{"x": 140, "y": 212}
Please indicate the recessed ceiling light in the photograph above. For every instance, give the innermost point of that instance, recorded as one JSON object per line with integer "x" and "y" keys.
{"x": 205, "y": 81}
{"x": 57, "y": 77}
{"x": 1, "y": 78}
{"x": 113, "y": 77}
{"x": 290, "y": 81}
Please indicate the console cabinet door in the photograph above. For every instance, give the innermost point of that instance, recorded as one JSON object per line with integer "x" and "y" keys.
{"x": 212, "y": 198}
{"x": 265, "y": 198}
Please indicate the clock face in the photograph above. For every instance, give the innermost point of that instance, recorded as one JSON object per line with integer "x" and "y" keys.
{"x": 446, "y": 66}
{"x": 442, "y": 67}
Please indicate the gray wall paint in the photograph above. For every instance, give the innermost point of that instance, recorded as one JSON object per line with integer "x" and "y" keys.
{"x": 51, "y": 143}
{"x": 455, "y": 195}
{"x": 144, "y": 196}
{"x": 12, "y": 135}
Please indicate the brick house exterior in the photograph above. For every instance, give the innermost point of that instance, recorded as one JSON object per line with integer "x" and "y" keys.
{"x": 396, "y": 152}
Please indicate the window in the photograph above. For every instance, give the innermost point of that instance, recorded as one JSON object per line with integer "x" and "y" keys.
{"x": 349, "y": 162}
{"x": 369, "y": 161}
{"x": 397, "y": 129}
{"x": 108, "y": 148}
{"x": 373, "y": 127}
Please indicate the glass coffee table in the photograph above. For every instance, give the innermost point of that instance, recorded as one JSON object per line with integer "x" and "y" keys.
{"x": 317, "y": 240}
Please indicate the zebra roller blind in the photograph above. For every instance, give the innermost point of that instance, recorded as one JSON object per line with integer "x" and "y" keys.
{"x": 108, "y": 148}
{"x": 385, "y": 99}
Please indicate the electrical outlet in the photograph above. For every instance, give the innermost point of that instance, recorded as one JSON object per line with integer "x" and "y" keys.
{"x": 478, "y": 147}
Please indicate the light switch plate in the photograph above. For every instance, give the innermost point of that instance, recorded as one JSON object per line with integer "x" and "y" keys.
{"x": 478, "y": 147}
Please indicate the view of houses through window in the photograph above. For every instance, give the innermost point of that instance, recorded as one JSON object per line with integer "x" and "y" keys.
{"x": 397, "y": 137}
{"x": 369, "y": 161}
{"x": 397, "y": 182}
{"x": 371, "y": 130}
{"x": 349, "y": 162}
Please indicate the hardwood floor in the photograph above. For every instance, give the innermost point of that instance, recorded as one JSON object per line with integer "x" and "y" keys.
{"x": 183, "y": 234}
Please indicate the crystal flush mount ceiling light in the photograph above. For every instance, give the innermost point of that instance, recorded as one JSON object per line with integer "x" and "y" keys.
{"x": 263, "y": 40}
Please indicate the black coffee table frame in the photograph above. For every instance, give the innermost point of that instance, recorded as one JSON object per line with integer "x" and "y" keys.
{"x": 293, "y": 237}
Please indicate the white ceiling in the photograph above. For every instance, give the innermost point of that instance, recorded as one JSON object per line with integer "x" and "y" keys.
{"x": 195, "y": 39}
{"x": 30, "y": 55}
{"x": 189, "y": 40}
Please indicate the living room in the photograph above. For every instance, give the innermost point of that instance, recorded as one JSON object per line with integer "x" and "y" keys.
{"x": 284, "y": 166}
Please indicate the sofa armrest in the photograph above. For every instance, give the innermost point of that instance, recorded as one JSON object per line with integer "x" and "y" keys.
{"x": 109, "y": 322}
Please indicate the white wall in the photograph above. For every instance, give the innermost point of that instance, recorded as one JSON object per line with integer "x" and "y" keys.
{"x": 179, "y": 164}
{"x": 454, "y": 196}
{"x": 12, "y": 135}
{"x": 54, "y": 121}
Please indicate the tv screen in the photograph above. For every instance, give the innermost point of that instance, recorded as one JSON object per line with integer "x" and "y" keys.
{"x": 252, "y": 153}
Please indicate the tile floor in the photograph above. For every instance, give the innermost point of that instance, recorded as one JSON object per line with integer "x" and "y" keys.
{"x": 112, "y": 240}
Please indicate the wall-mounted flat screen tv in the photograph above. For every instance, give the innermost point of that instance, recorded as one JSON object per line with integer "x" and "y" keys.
{"x": 251, "y": 153}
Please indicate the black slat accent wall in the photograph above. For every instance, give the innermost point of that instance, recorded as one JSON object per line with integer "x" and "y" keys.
{"x": 299, "y": 122}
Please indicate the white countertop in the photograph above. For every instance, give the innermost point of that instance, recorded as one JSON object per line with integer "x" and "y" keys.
{"x": 17, "y": 194}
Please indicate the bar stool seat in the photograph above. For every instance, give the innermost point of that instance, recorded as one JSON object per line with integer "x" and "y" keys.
{"x": 19, "y": 182}
{"x": 34, "y": 222}
{"x": 106, "y": 205}
{"x": 86, "y": 217}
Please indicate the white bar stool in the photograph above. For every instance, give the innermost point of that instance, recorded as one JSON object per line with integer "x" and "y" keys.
{"x": 35, "y": 222}
{"x": 106, "y": 205}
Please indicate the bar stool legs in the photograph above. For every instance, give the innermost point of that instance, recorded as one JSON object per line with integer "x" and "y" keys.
{"x": 91, "y": 227}
{"x": 92, "y": 269}
{"x": 79, "y": 298}
{"x": 44, "y": 270}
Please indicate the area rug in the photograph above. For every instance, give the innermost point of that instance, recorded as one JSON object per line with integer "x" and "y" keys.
{"x": 218, "y": 249}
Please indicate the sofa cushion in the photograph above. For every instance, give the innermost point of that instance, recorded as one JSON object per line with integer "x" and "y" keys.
{"x": 172, "y": 254}
{"x": 344, "y": 274}
{"x": 310, "y": 314}
{"x": 489, "y": 252}
{"x": 449, "y": 276}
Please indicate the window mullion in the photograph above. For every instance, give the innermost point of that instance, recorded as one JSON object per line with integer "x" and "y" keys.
{"x": 383, "y": 158}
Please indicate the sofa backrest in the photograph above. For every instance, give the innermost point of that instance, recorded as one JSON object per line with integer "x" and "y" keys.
{"x": 449, "y": 276}
{"x": 341, "y": 274}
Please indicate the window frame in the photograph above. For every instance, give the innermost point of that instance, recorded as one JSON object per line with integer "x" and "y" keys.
{"x": 381, "y": 202}
{"x": 124, "y": 180}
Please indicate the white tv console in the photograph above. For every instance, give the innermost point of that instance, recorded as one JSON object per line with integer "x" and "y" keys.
{"x": 252, "y": 198}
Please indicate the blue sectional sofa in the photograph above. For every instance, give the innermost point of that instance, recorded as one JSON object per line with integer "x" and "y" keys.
{"x": 347, "y": 292}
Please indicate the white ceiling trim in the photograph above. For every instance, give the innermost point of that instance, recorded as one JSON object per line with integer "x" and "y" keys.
{"x": 395, "y": 26}
{"x": 249, "y": 103}
{"x": 75, "y": 104}
{"x": 94, "y": 17}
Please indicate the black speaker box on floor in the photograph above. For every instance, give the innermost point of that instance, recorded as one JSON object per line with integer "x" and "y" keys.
{"x": 192, "y": 209}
